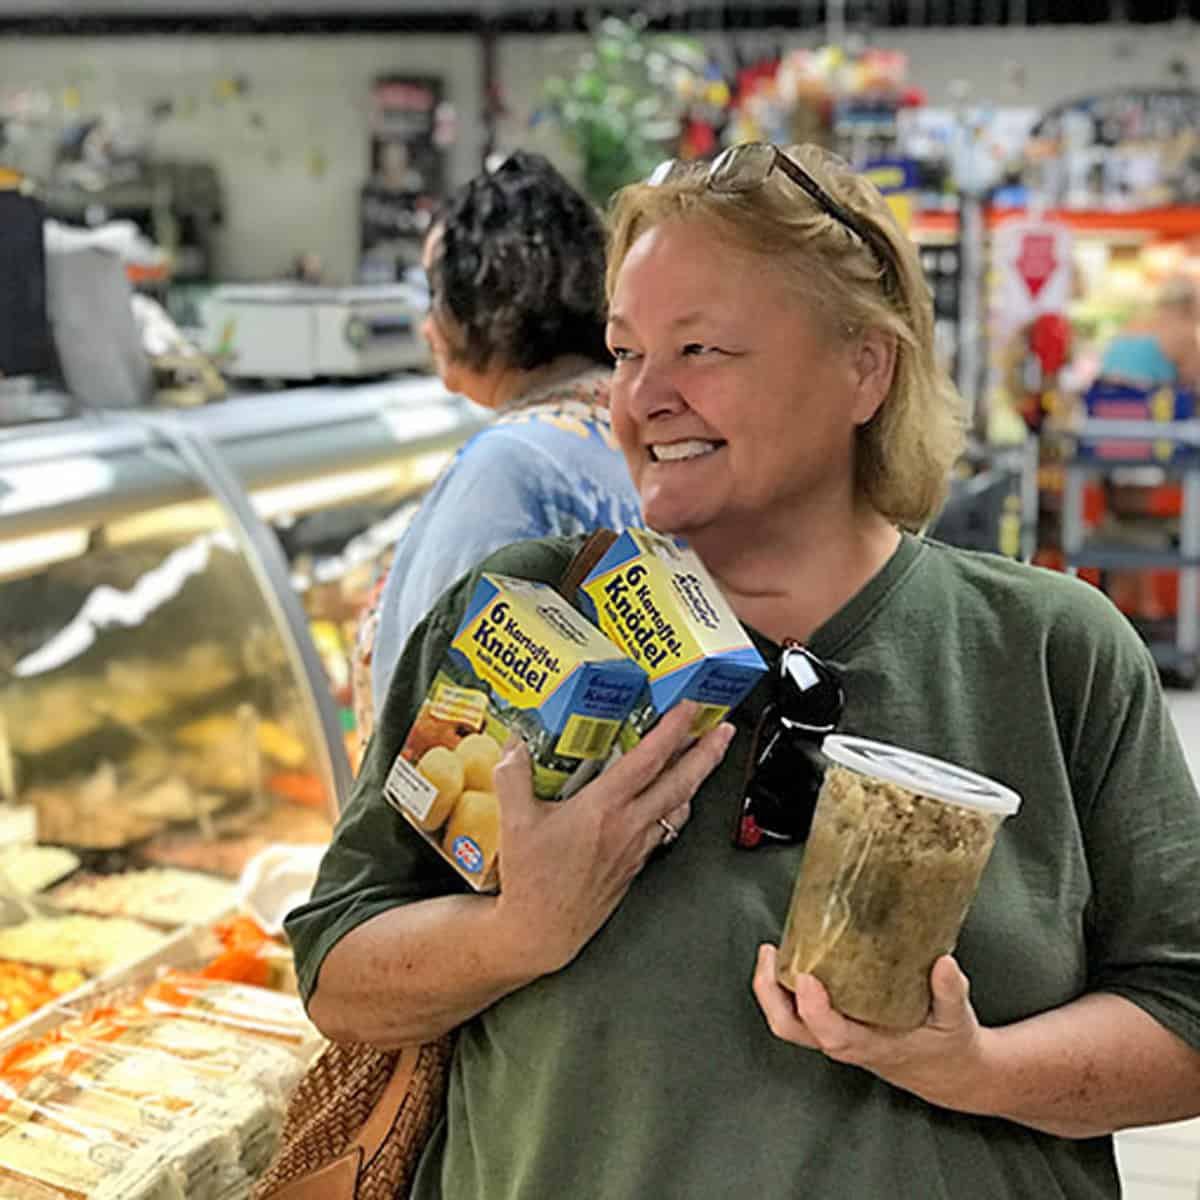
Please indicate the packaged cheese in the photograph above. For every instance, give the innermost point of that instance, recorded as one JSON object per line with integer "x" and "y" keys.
{"x": 658, "y": 603}
{"x": 522, "y": 661}
{"x": 206, "y": 1129}
{"x": 253, "y": 1011}
{"x": 79, "y": 1156}
{"x": 219, "y": 1055}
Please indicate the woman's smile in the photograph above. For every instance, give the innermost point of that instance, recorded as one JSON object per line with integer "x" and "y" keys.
{"x": 683, "y": 451}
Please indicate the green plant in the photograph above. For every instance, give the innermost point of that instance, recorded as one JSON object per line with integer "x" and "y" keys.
{"x": 622, "y": 110}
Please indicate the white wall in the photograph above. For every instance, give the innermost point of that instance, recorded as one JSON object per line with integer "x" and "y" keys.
{"x": 312, "y": 93}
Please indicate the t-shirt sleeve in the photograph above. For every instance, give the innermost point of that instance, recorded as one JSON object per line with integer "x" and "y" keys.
{"x": 376, "y": 860}
{"x": 490, "y": 497}
{"x": 1141, "y": 821}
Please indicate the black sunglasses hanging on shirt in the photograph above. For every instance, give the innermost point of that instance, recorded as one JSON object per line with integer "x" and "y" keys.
{"x": 785, "y": 768}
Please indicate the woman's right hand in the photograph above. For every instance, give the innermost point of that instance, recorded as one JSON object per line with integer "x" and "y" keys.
{"x": 566, "y": 866}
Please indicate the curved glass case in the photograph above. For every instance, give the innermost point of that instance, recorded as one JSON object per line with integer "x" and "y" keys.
{"x": 161, "y": 700}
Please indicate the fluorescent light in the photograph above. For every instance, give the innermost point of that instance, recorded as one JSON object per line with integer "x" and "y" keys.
{"x": 25, "y": 555}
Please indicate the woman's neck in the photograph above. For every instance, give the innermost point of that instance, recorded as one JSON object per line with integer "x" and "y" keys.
{"x": 509, "y": 386}
{"x": 788, "y": 586}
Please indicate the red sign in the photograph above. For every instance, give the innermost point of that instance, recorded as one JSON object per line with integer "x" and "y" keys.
{"x": 1036, "y": 261}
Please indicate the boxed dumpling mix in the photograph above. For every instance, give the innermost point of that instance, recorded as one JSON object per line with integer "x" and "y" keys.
{"x": 522, "y": 661}
{"x": 656, "y": 600}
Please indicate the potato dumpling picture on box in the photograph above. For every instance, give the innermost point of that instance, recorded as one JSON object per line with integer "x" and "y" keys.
{"x": 473, "y": 832}
{"x": 444, "y": 769}
{"x": 479, "y": 754}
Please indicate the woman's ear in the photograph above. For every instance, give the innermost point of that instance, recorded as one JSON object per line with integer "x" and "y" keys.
{"x": 874, "y": 369}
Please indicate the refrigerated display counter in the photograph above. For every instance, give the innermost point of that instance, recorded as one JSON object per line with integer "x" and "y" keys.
{"x": 162, "y": 703}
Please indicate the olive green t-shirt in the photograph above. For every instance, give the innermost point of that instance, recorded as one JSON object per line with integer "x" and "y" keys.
{"x": 645, "y": 1071}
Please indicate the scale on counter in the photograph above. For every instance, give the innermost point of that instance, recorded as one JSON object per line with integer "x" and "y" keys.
{"x": 305, "y": 331}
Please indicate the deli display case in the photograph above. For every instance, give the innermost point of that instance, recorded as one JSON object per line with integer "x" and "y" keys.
{"x": 164, "y": 712}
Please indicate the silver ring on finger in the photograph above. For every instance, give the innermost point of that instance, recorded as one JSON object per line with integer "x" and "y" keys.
{"x": 670, "y": 833}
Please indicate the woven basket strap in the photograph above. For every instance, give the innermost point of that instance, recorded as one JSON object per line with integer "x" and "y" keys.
{"x": 588, "y": 555}
{"x": 375, "y": 1128}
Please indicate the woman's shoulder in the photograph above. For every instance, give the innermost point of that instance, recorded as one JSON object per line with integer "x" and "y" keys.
{"x": 578, "y": 405}
{"x": 539, "y": 560}
{"x": 1036, "y": 603}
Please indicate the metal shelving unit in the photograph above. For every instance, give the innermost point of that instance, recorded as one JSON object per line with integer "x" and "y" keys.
{"x": 1180, "y": 654}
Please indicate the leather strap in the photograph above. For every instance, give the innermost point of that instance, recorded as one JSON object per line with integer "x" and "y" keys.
{"x": 336, "y": 1180}
{"x": 588, "y": 555}
{"x": 383, "y": 1116}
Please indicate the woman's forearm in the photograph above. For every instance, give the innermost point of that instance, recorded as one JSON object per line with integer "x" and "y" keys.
{"x": 1089, "y": 1068}
{"x": 412, "y": 973}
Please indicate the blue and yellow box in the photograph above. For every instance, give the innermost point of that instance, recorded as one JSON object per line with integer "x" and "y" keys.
{"x": 522, "y": 661}
{"x": 1111, "y": 399}
{"x": 658, "y": 603}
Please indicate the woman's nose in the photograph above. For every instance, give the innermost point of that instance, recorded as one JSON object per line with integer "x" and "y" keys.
{"x": 654, "y": 391}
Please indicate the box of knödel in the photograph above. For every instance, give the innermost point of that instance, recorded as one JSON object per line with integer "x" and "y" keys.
{"x": 657, "y": 601}
{"x": 522, "y": 661}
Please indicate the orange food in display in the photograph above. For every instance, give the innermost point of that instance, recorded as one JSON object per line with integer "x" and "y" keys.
{"x": 24, "y": 989}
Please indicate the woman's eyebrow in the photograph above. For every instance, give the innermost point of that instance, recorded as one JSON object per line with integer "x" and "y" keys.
{"x": 689, "y": 318}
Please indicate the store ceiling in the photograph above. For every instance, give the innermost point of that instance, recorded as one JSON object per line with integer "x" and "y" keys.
{"x": 73, "y": 16}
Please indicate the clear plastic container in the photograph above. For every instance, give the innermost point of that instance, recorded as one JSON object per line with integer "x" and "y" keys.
{"x": 898, "y": 844}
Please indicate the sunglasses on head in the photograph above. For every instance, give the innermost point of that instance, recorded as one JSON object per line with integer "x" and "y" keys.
{"x": 784, "y": 771}
{"x": 749, "y": 165}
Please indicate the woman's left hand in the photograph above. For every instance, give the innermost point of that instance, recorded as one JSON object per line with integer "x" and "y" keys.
{"x": 938, "y": 1061}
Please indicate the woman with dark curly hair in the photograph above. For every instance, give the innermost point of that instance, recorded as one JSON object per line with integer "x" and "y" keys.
{"x": 516, "y": 324}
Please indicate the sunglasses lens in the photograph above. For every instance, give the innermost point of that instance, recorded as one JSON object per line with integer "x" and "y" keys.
{"x": 741, "y": 168}
{"x": 810, "y": 692}
{"x": 782, "y": 793}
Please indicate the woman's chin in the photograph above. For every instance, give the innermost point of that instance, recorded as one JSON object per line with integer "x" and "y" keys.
{"x": 675, "y": 519}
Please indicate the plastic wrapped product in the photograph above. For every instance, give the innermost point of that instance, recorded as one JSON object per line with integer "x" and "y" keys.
{"x": 79, "y": 1160}
{"x": 150, "y": 1098}
{"x": 218, "y": 1054}
{"x": 250, "y": 1011}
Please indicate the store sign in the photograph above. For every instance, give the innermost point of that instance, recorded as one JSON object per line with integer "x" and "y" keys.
{"x": 1033, "y": 261}
{"x": 1036, "y": 262}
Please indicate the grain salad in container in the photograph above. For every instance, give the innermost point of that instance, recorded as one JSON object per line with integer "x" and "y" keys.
{"x": 899, "y": 842}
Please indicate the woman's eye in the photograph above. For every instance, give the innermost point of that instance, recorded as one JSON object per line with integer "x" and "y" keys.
{"x": 620, "y": 353}
{"x": 692, "y": 349}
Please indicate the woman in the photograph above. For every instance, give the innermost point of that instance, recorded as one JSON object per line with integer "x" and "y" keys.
{"x": 516, "y": 271}
{"x": 621, "y": 1031}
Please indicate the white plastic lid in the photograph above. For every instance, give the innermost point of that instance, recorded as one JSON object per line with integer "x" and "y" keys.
{"x": 922, "y": 774}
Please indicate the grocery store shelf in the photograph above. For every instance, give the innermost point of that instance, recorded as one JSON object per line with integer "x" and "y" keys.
{"x": 1121, "y": 558}
{"x": 1159, "y": 222}
{"x": 1180, "y": 655}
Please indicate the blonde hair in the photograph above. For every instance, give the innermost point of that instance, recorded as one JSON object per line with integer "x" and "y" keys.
{"x": 905, "y": 452}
